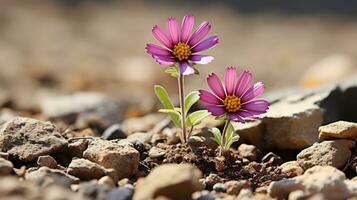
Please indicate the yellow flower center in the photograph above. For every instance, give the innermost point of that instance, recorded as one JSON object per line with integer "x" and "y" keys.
{"x": 232, "y": 104}
{"x": 182, "y": 51}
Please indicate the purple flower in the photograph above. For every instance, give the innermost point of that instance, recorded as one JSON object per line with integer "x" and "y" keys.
{"x": 236, "y": 98}
{"x": 180, "y": 46}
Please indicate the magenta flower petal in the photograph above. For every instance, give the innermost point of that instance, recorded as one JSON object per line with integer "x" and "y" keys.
{"x": 256, "y": 105}
{"x": 201, "y": 59}
{"x": 200, "y": 33}
{"x": 173, "y": 29}
{"x": 186, "y": 28}
{"x": 161, "y": 36}
{"x": 236, "y": 118}
{"x": 209, "y": 98}
{"x": 253, "y": 92}
{"x": 243, "y": 83}
{"x": 215, "y": 110}
{"x": 216, "y": 85}
{"x": 249, "y": 114}
{"x": 154, "y": 49}
{"x": 230, "y": 79}
{"x": 206, "y": 44}
{"x": 164, "y": 60}
{"x": 186, "y": 68}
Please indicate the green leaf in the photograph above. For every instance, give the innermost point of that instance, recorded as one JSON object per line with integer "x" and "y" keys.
{"x": 174, "y": 115}
{"x": 177, "y": 109}
{"x": 191, "y": 99}
{"x": 173, "y": 71}
{"x": 216, "y": 135}
{"x": 163, "y": 96}
{"x": 231, "y": 141}
{"x": 196, "y": 117}
{"x": 222, "y": 117}
{"x": 229, "y": 131}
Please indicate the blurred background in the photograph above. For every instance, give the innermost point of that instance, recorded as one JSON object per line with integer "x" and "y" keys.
{"x": 64, "y": 46}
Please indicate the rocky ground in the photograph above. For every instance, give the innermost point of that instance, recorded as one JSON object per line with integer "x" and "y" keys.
{"x": 76, "y": 147}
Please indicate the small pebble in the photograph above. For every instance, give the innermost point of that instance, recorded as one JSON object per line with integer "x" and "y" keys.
{"x": 47, "y": 161}
{"x": 220, "y": 187}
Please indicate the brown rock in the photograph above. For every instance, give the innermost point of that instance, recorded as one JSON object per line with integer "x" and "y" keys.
{"x": 291, "y": 168}
{"x": 234, "y": 187}
{"x": 47, "y": 161}
{"x": 6, "y": 167}
{"x": 85, "y": 169}
{"x": 122, "y": 158}
{"x": 174, "y": 181}
{"x": 76, "y": 148}
{"x": 338, "y": 130}
{"x": 333, "y": 153}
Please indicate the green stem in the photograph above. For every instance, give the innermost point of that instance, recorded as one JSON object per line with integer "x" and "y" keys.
{"x": 223, "y": 138}
{"x": 182, "y": 106}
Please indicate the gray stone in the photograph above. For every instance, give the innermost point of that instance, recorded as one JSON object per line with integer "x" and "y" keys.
{"x": 122, "y": 158}
{"x": 26, "y": 139}
{"x": 45, "y": 176}
{"x": 113, "y": 132}
{"x": 94, "y": 190}
{"x": 175, "y": 181}
{"x": 123, "y": 193}
{"x": 333, "y": 153}
{"x": 219, "y": 187}
{"x": 90, "y": 107}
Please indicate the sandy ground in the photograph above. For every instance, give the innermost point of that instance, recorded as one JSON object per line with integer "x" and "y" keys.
{"x": 101, "y": 46}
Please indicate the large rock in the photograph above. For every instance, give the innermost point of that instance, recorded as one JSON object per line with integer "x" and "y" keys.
{"x": 326, "y": 181}
{"x": 295, "y": 115}
{"x": 89, "y": 107}
{"x": 333, "y": 153}
{"x": 26, "y": 139}
{"x": 291, "y": 123}
{"x": 339, "y": 130}
{"x": 122, "y": 158}
{"x": 174, "y": 181}
{"x": 45, "y": 176}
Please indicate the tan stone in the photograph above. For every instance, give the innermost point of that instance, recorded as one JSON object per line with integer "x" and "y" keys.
{"x": 175, "y": 181}
{"x": 124, "y": 159}
{"x": 338, "y": 130}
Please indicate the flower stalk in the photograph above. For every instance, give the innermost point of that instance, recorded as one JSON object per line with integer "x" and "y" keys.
{"x": 224, "y": 141}
{"x": 182, "y": 106}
